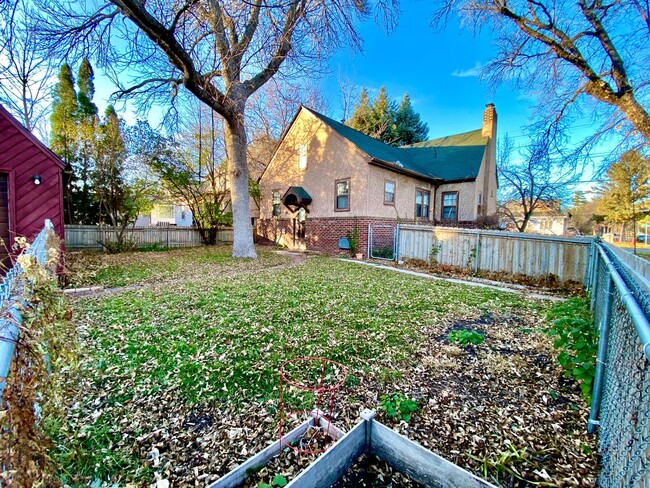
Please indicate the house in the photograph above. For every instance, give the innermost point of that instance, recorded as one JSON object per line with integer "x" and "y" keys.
{"x": 326, "y": 178}
{"x": 166, "y": 215}
{"x": 31, "y": 188}
{"x": 546, "y": 219}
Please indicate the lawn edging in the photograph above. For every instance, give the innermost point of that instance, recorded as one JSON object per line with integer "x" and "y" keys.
{"x": 517, "y": 289}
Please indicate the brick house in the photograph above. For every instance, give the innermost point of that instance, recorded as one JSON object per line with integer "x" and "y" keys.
{"x": 325, "y": 178}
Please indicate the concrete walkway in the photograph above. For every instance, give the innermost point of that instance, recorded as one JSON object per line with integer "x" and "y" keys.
{"x": 508, "y": 288}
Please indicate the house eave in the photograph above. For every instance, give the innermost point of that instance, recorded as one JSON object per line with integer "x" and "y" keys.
{"x": 392, "y": 167}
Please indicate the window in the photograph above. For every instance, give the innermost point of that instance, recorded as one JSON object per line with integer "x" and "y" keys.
{"x": 389, "y": 192}
{"x": 450, "y": 205}
{"x": 342, "y": 195}
{"x": 276, "y": 203}
{"x": 302, "y": 156}
{"x": 422, "y": 198}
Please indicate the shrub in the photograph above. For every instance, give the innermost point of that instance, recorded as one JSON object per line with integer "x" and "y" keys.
{"x": 465, "y": 337}
{"x": 576, "y": 340}
{"x": 398, "y": 406}
{"x": 383, "y": 252}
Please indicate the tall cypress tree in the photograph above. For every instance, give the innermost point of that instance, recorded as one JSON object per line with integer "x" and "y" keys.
{"x": 87, "y": 133}
{"x": 64, "y": 135}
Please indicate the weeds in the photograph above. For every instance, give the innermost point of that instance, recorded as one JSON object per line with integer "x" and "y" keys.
{"x": 465, "y": 337}
{"x": 576, "y": 339}
{"x": 398, "y": 406}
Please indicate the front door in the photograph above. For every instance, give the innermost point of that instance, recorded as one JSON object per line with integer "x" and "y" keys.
{"x": 299, "y": 230}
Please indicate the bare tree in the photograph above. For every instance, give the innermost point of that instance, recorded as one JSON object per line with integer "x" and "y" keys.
{"x": 530, "y": 178}
{"x": 222, "y": 51}
{"x": 568, "y": 52}
{"x": 349, "y": 92}
{"x": 26, "y": 72}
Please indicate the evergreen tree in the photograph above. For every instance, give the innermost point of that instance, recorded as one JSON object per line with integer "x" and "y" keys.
{"x": 409, "y": 129}
{"x": 109, "y": 168}
{"x": 383, "y": 120}
{"x": 64, "y": 135}
{"x": 87, "y": 133}
{"x": 361, "y": 115}
{"x": 579, "y": 199}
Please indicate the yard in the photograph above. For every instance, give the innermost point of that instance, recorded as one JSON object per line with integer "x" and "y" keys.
{"x": 178, "y": 378}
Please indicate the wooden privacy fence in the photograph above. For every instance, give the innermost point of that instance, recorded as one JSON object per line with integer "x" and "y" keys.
{"x": 495, "y": 251}
{"x": 91, "y": 236}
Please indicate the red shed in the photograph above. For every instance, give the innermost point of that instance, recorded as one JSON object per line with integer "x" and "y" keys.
{"x": 31, "y": 187}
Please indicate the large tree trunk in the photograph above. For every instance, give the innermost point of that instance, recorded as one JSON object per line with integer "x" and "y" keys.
{"x": 235, "y": 136}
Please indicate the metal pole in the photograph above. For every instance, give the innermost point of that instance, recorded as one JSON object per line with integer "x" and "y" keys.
{"x": 478, "y": 251}
{"x": 601, "y": 359}
{"x": 639, "y": 320}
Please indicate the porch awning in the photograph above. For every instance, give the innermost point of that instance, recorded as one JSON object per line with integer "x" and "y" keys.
{"x": 296, "y": 198}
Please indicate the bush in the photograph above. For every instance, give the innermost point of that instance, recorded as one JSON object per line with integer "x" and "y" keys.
{"x": 383, "y": 252}
{"x": 466, "y": 337}
{"x": 398, "y": 406}
{"x": 576, "y": 339}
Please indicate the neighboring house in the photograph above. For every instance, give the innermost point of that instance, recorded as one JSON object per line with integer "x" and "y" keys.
{"x": 547, "y": 219}
{"x": 31, "y": 188}
{"x": 166, "y": 215}
{"x": 325, "y": 178}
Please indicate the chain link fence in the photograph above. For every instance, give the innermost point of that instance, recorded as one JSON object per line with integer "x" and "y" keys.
{"x": 621, "y": 398}
{"x": 382, "y": 241}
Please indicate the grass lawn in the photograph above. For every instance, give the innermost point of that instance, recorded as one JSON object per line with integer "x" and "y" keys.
{"x": 84, "y": 268}
{"x": 178, "y": 381}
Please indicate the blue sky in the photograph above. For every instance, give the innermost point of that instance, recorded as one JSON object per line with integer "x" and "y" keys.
{"x": 439, "y": 70}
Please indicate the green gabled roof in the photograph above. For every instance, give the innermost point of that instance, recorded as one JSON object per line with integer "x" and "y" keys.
{"x": 450, "y": 158}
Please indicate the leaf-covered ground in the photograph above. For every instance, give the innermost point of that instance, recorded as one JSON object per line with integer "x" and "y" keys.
{"x": 91, "y": 268}
{"x": 178, "y": 381}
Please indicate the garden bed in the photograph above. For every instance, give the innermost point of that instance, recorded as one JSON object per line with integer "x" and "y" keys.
{"x": 179, "y": 382}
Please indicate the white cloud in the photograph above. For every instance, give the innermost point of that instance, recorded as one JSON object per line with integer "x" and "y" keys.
{"x": 467, "y": 73}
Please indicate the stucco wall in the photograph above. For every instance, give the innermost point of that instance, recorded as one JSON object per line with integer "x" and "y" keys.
{"x": 329, "y": 158}
{"x": 404, "y": 208}
{"x": 467, "y": 198}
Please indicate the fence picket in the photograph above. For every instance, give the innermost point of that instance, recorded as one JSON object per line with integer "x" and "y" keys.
{"x": 78, "y": 237}
{"x": 532, "y": 255}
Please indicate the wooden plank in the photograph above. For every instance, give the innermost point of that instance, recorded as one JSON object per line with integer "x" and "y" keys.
{"x": 237, "y": 476}
{"x": 331, "y": 465}
{"x": 417, "y": 462}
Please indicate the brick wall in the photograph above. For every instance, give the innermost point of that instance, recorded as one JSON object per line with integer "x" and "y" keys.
{"x": 321, "y": 234}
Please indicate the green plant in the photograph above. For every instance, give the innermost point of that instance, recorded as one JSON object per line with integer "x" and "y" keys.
{"x": 576, "y": 339}
{"x": 353, "y": 239}
{"x": 398, "y": 406}
{"x": 383, "y": 252}
{"x": 435, "y": 250}
{"x": 156, "y": 247}
{"x": 465, "y": 337}
{"x": 279, "y": 481}
{"x": 510, "y": 462}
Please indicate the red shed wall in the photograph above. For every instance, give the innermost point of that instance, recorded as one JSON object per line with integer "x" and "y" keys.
{"x": 22, "y": 157}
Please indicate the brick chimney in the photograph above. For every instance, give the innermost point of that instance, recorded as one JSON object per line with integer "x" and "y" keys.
{"x": 489, "y": 121}
{"x": 489, "y": 187}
